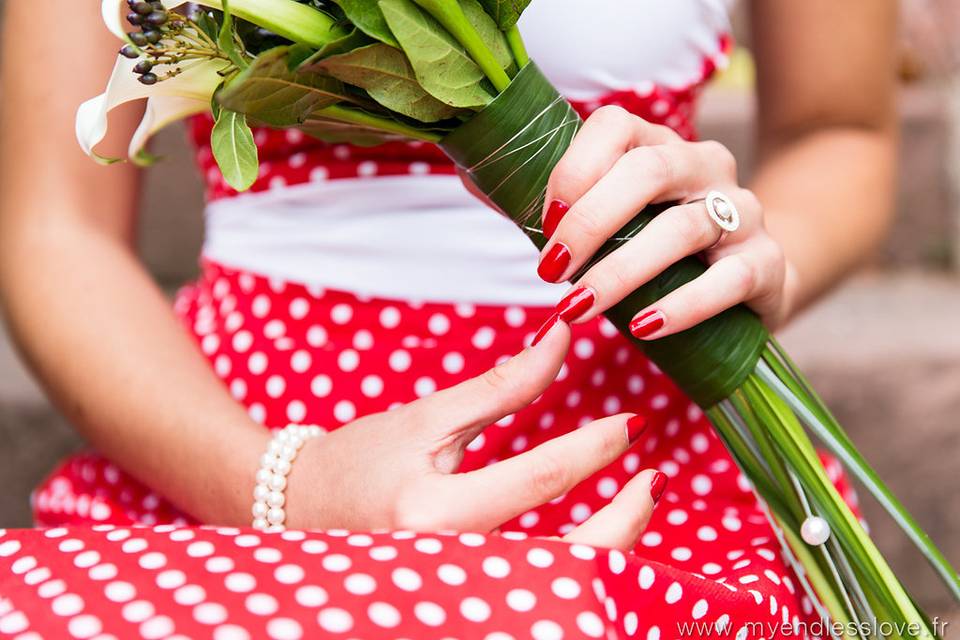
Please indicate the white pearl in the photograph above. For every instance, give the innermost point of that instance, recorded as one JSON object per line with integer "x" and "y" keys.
{"x": 276, "y": 516}
{"x": 282, "y": 466}
{"x": 266, "y": 460}
{"x": 314, "y": 431}
{"x": 275, "y": 499}
{"x": 296, "y": 443}
{"x": 288, "y": 452}
{"x": 259, "y": 509}
{"x": 264, "y": 475}
{"x": 815, "y": 531}
{"x": 261, "y": 491}
{"x": 276, "y": 446}
{"x": 260, "y": 524}
{"x": 281, "y": 436}
{"x": 277, "y": 482}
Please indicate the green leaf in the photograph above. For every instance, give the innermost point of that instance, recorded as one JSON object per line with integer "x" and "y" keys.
{"x": 353, "y": 40}
{"x": 270, "y": 93}
{"x": 235, "y": 150}
{"x": 368, "y": 18}
{"x": 505, "y": 12}
{"x": 336, "y": 131}
{"x": 387, "y": 76}
{"x": 492, "y": 36}
{"x": 441, "y": 65}
{"x": 226, "y": 40}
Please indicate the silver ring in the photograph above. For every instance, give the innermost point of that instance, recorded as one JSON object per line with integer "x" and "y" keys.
{"x": 723, "y": 213}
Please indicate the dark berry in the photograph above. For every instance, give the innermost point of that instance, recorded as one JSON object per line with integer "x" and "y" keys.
{"x": 149, "y": 78}
{"x": 135, "y": 18}
{"x": 130, "y": 51}
{"x": 141, "y": 7}
{"x": 153, "y": 36}
{"x": 137, "y": 38}
{"x": 142, "y": 67}
{"x": 157, "y": 18}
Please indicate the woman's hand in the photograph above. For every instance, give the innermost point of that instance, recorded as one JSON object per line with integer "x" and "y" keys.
{"x": 617, "y": 165}
{"x": 398, "y": 469}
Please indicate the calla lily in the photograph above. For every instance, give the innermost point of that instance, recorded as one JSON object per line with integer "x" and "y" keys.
{"x": 185, "y": 94}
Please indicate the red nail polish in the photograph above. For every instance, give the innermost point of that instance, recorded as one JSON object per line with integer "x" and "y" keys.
{"x": 636, "y": 425}
{"x": 658, "y": 485}
{"x": 545, "y": 329}
{"x": 576, "y": 303}
{"x": 555, "y": 213}
{"x": 647, "y": 324}
{"x": 554, "y": 263}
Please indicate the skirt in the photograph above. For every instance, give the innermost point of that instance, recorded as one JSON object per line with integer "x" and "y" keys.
{"x": 115, "y": 560}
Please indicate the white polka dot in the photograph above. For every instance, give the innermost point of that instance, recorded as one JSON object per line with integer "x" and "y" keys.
{"x": 383, "y": 553}
{"x": 389, "y": 317}
{"x": 15, "y": 622}
{"x": 700, "y": 609}
{"x": 371, "y": 386}
{"x": 583, "y": 552}
{"x": 701, "y": 484}
{"x": 85, "y": 626}
{"x": 257, "y": 363}
{"x": 288, "y": 574}
{"x": 566, "y": 588}
{"x": 651, "y": 539}
{"x": 677, "y": 517}
{"x": 681, "y": 553}
{"x": 546, "y": 630}
{"x": 284, "y": 629}
{"x": 171, "y": 579}
{"x": 341, "y": 313}
{"x": 653, "y": 633}
{"x": 120, "y": 591}
{"x": 209, "y": 613}
{"x": 438, "y": 324}
{"x": 200, "y": 549}
{"x": 400, "y": 360}
{"x": 674, "y": 593}
{"x": 406, "y": 579}
{"x": 344, "y": 411}
{"x": 299, "y": 308}
{"x": 190, "y": 594}
{"x": 51, "y": 588}
{"x": 428, "y": 545}
{"x": 137, "y": 611}
{"x": 580, "y": 512}
{"x": 646, "y": 577}
{"x": 583, "y": 348}
{"x": 69, "y": 545}
{"x": 157, "y": 627}
{"x": 383, "y": 614}
{"x": 590, "y": 624}
{"x": 230, "y": 632}
{"x": 321, "y": 386}
{"x": 474, "y": 609}
{"x": 314, "y": 547}
{"x": 42, "y": 574}
{"x": 496, "y": 567}
{"x": 242, "y": 341}
{"x": 451, "y": 574}
{"x": 483, "y": 338}
{"x": 311, "y": 596}
{"x": 348, "y": 360}
{"x": 430, "y": 613}
{"x": 424, "y": 386}
{"x": 617, "y": 561}
{"x": 261, "y": 604}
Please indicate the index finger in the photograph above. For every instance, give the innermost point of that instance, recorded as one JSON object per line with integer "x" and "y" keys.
{"x": 605, "y": 136}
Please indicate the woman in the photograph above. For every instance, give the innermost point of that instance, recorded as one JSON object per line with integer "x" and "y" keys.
{"x": 353, "y": 283}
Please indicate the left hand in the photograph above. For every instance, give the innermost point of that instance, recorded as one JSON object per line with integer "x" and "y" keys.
{"x": 618, "y": 164}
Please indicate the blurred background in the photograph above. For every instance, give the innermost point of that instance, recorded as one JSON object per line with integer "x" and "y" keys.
{"x": 883, "y": 349}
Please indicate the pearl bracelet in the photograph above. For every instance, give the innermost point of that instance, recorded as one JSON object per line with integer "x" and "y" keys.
{"x": 275, "y": 465}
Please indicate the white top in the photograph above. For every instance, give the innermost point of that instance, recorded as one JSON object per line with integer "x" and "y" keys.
{"x": 424, "y": 237}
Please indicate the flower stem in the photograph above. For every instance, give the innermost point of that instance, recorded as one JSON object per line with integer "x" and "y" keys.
{"x": 286, "y": 18}
{"x": 519, "y": 50}
{"x": 362, "y": 118}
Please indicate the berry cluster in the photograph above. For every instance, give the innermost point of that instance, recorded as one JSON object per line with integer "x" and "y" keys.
{"x": 153, "y": 21}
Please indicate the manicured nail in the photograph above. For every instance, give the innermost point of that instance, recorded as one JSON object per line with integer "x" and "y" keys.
{"x": 555, "y": 213}
{"x": 636, "y": 425}
{"x": 545, "y": 329}
{"x": 576, "y": 303}
{"x": 657, "y": 485}
{"x": 647, "y": 324}
{"x": 553, "y": 265}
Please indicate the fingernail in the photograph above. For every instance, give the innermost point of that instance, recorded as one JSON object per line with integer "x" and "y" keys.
{"x": 554, "y": 263}
{"x": 647, "y": 324}
{"x": 658, "y": 485}
{"x": 576, "y": 303}
{"x": 545, "y": 329}
{"x": 555, "y": 213}
{"x": 636, "y": 425}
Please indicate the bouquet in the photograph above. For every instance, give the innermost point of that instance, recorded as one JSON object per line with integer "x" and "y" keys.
{"x": 455, "y": 73}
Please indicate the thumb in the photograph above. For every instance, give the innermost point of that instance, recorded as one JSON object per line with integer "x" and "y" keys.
{"x": 464, "y": 410}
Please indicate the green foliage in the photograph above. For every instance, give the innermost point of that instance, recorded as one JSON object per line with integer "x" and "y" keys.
{"x": 505, "y": 12}
{"x": 368, "y": 18}
{"x": 488, "y": 31}
{"x": 226, "y": 39}
{"x": 235, "y": 150}
{"x": 269, "y": 92}
{"x": 442, "y": 67}
{"x": 387, "y": 76}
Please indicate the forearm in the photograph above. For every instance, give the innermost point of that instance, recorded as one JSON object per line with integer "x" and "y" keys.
{"x": 828, "y": 197}
{"x": 102, "y": 339}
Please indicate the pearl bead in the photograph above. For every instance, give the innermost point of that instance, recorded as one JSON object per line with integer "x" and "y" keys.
{"x": 259, "y": 509}
{"x": 815, "y": 531}
{"x": 264, "y": 475}
{"x": 288, "y": 452}
{"x": 281, "y": 466}
{"x": 260, "y": 524}
{"x": 266, "y": 460}
{"x": 261, "y": 491}
{"x": 275, "y": 447}
{"x": 275, "y": 499}
{"x": 314, "y": 431}
{"x": 277, "y": 482}
{"x": 276, "y": 516}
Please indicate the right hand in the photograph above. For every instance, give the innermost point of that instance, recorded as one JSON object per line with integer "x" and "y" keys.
{"x": 397, "y": 470}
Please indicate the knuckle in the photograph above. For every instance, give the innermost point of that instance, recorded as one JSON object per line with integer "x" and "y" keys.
{"x": 610, "y": 115}
{"x": 742, "y": 276}
{"x": 749, "y": 201}
{"x": 583, "y": 225}
{"x": 719, "y": 156}
{"x": 658, "y": 163}
{"x": 695, "y": 228}
{"x": 568, "y": 171}
{"x": 499, "y": 380}
{"x": 548, "y": 475}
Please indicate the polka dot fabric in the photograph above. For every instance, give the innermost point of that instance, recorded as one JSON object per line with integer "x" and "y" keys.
{"x": 291, "y": 353}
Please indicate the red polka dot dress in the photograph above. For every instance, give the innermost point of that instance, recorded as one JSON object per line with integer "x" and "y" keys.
{"x": 114, "y": 559}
